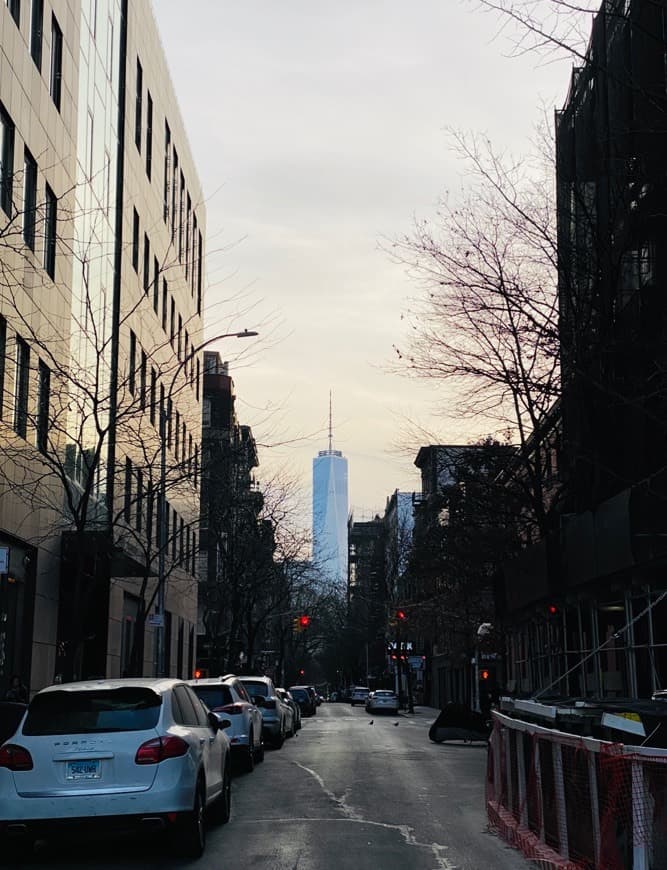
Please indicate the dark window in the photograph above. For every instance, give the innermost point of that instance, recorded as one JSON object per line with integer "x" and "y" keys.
{"x": 43, "y": 402}
{"x": 135, "y": 241}
{"x": 50, "y": 229}
{"x": 179, "y": 649}
{"x": 177, "y": 435}
{"x": 170, "y": 425}
{"x": 165, "y": 297}
{"x": 133, "y": 363}
{"x": 188, "y": 218}
{"x": 156, "y": 285}
{"x": 29, "y": 199}
{"x": 139, "y": 502}
{"x": 181, "y": 206}
{"x": 191, "y": 650}
{"x": 215, "y": 697}
{"x": 6, "y": 161}
{"x": 193, "y": 274}
{"x": 138, "y": 105}
{"x": 197, "y": 381}
{"x": 128, "y": 709}
{"x": 174, "y": 187}
{"x": 21, "y": 387}
{"x": 3, "y": 355}
{"x": 179, "y": 347}
{"x": 167, "y": 169}
{"x": 147, "y": 263}
{"x": 186, "y": 705}
{"x": 14, "y": 7}
{"x": 181, "y": 542}
{"x": 142, "y": 379}
{"x": 55, "y": 79}
{"x": 127, "y": 506}
{"x": 196, "y": 474}
{"x": 153, "y": 398}
{"x": 167, "y": 642}
{"x": 200, "y": 255}
{"x": 149, "y": 133}
{"x": 174, "y": 534}
{"x": 194, "y": 553}
{"x": 36, "y": 31}
{"x": 172, "y": 329}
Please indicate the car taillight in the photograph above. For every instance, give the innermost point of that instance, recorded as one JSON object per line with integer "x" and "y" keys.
{"x": 232, "y": 709}
{"x": 270, "y": 704}
{"x": 159, "y": 748}
{"x": 15, "y": 757}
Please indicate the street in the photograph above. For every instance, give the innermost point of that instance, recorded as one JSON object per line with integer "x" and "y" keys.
{"x": 344, "y": 793}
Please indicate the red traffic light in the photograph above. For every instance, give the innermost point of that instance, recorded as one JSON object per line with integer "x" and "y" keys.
{"x": 301, "y": 672}
{"x": 401, "y": 615}
{"x": 552, "y": 609}
{"x": 304, "y": 621}
{"x": 484, "y": 675}
{"x": 197, "y": 675}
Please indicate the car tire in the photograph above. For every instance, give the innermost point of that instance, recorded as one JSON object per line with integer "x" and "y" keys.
{"x": 279, "y": 740}
{"x": 222, "y": 808}
{"x": 191, "y": 836}
{"x": 248, "y": 759}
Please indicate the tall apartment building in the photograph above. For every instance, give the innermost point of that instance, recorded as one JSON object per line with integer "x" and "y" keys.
{"x": 101, "y": 294}
{"x": 330, "y": 508}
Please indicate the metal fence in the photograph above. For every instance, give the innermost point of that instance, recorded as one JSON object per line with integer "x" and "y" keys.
{"x": 576, "y": 803}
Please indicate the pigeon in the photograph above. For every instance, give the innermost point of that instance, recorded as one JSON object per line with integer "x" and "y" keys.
{"x": 396, "y": 724}
{"x": 372, "y": 722}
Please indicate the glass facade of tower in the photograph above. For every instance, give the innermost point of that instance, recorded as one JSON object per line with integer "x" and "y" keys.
{"x": 330, "y": 508}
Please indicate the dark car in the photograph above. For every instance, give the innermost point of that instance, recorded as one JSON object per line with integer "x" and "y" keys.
{"x": 304, "y": 699}
{"x": 11, "y": 713}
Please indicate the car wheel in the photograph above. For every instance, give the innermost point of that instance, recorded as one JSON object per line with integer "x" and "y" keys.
{"x": 221, "y": 809}
{"x": 248, "y": 760}
{"x": 191, "y": 837}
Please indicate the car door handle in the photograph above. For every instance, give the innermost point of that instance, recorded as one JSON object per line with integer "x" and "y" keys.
{"x": 202, "y": 741}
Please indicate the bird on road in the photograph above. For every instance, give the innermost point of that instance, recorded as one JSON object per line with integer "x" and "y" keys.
{"x": 372, "y": 722}
{"x": 396, "y": 724}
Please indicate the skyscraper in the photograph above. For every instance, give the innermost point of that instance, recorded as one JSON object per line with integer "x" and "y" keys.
{"x": 330, "y": 507}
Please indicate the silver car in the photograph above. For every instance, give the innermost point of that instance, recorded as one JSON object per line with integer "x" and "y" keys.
{"x": 274, "y": 715}
{"x": 382, "y": 701}
{"x": 227, "y": 698}
{"x": 115, "y": 755}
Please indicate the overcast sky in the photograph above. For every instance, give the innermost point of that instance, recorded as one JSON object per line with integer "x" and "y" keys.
{"x": 318, "y": 129}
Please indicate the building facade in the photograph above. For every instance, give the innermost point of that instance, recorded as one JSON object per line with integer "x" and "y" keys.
{"x": 330, "y": 509}
{"x": 101, "y": 296}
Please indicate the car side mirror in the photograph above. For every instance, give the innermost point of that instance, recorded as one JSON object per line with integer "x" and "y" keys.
{"x": 224, "y": 723}
{"x": 214, "y": 722}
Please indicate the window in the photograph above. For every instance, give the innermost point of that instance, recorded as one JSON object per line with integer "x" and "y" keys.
{"x": 181, "y": 204}
{"x": 153, "y": 397}
{"x": 181, "y": 536}
{"x": 170, "y": 425}
{"x": 127, "y": 508}
{"x": 172, "y": 330}
{"x": 36, "y": 30}
{"x": 206, "y": 412}
{"x": 43, "y": 402}
{"x": 197, "y": 382}
{"x": 196, "y": 475}
{"x": 147, "y": 263}
{"x": 174, "y": 534}
{"x": 138, "y": 518}
{"x": 138, "y": 106}
{"x": 6, "y": 161}
{"x": 55, "y": 79}
{"x": 179, "y": 347}
{"x": 135, "y": 241}
{"x": 177, "y": 433}
{"x": 50, "y": 228}
{"x": 156, "y": 285}
{"x": 142, "y": 380}
{"x": 167, "y": 153}
{"x": 194, "y": 554}
{"x": 149, "y": 134}
{"x": 90, "y": 130}
{"x": 193, "y": 274}
{"x": 14, "y": 7}
{"x": 174, "y": 186}
{"x": 132, "y": 363}
{"x": 200, "y": 255}
{"x": 3, "y": 355}
{"x": 165, "y": 298}
{"x": 29, "y": 199}
{"x": 188, "y": 217}
{"x": 21, "y": 387}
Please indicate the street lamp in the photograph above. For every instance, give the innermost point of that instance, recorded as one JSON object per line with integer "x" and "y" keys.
{"x": 162, "y": 535}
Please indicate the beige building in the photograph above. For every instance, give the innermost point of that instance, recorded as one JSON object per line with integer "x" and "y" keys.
{"x": 101, "y": 293}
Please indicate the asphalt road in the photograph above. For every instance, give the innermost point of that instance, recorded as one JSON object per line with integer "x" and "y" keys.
{"x": 342, "y": 794}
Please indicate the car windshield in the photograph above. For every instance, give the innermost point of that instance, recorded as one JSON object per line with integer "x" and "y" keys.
{"x": 299, "y": 693}
{"x": 214, "y": 697}
{"x": 131, "y": 708}
{"x": 256, "y": 688}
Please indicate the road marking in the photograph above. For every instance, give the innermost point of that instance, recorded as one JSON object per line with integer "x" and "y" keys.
{"x": 404, "y": 830}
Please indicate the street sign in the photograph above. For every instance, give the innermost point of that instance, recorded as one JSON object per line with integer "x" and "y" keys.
{"x": 156, "y": 620}
{"x": 4, "y": 560}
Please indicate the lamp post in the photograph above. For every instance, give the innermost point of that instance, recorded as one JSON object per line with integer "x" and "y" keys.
{"x": 162, "y": 504}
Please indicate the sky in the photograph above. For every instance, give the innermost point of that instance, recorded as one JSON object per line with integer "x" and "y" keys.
{"x": 319, "y": 134}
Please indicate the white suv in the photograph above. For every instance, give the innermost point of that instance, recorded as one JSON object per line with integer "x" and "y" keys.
{"x": 227, "y": 698}
{"x": 359, "y": 695}
{"x": 114, "y": 755}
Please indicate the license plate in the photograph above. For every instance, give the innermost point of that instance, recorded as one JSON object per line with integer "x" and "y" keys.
{"x": 86, "y": 769}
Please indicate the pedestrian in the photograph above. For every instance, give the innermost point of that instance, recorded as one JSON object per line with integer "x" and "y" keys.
{"x": 16, "y": 691}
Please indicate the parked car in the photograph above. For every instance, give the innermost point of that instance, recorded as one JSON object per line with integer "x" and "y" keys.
{"x": 286, "y": 698}
{"x": 115, "y": 755}
{"x": 227, "y": 698}
{"x": 304, "y": 699}
{"x": 359, "y": 694}
{"x": 316, "y": 695}
{"x": 382, "y": 701}
{"x": 11, "y": 713}
{"x": 263, "y": 693}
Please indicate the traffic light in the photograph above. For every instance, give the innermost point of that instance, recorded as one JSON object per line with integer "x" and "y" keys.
{"x": 401, "y": 615}
{"x": 304, "y": 622}
{"x": 552, "y": 609}
{"x": 301, "y": 672}
{"x": 200, "y": 673}
{"x": 484, "y": 675}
